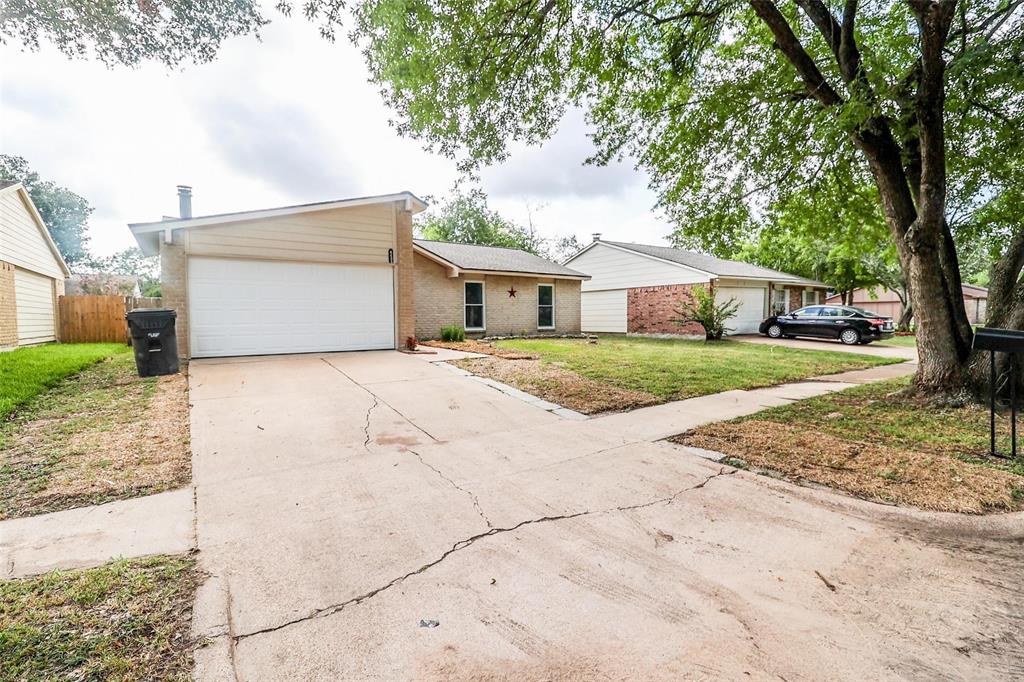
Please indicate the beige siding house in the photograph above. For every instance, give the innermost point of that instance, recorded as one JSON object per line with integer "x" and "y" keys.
{"x": 339, "y": 275}
{"x": 32, "y": 272}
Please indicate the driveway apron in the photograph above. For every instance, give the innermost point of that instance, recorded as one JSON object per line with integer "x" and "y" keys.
{"x": 373, "y": 516}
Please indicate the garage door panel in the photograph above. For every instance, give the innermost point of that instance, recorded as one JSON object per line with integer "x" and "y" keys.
{"x": 603, "y": 311}
{"x": 34, "y": 307}
{"x": 751, "y": 311}
{"x": 242, "y": 307}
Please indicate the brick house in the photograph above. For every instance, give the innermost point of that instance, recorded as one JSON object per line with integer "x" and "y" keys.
{"x": 342, "y": 275}
{"x": 637, "y": 288}
{"x": 32, "y": 272}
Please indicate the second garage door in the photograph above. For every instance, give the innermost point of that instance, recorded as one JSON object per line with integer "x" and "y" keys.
{"x": 752, "y": 307}
{"x": 242, "y": 307}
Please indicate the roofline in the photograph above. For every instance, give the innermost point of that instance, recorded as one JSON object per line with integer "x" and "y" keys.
{"x": 787, "y": 278}
{"x": 27, "y": 200}
{"x": 413, "y": 204}
{"x": 456, "y": 270}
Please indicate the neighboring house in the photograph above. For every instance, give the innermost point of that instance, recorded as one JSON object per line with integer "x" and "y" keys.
{"x": 340, "y": 275}
{"x": 32, "y": 272}
{"x": 636, "y": 289}
{"x": 886, "y": 302}
{"x": 493, "y": 290}
{"x": 102, "y": 284}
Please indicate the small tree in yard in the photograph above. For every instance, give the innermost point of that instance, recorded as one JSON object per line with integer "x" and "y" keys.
{"x": 704, "y": 310}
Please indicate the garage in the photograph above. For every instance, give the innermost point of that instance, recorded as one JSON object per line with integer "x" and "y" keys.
{"x": 604, "y": 311}
{"x": 34, "y": 303}
{"x": 751, "y": 311}
{"x": 250, "y": 307}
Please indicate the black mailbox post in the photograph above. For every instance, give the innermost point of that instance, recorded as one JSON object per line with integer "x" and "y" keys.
{"x": 1001, "y": 341}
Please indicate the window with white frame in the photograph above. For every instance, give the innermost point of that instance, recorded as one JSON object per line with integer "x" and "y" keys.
{"x": 810, "y": 297}
{"x": 780, "y": 301}
{"x": 545, "y": 306}
{"x": 474, "y": 304}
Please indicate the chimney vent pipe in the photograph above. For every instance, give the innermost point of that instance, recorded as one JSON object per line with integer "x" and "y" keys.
{"x": 184, "y": 201}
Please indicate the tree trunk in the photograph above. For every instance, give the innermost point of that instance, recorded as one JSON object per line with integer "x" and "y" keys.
{"x": 906, "y": 316}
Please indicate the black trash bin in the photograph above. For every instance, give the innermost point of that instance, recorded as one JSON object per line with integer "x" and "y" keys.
{"x": 154, "y": 341}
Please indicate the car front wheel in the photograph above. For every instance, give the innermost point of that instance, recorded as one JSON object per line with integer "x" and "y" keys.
{"x": 851, "y": 337}
{"x": 775, "y": 331}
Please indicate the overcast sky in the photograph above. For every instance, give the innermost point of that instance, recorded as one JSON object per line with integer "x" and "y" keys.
{"x": 287, "y": 120}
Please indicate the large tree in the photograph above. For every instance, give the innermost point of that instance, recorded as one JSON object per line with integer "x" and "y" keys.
{"x": 466, "y": 218}
{"x": 65, "y": 213}
{"x": 731, "y": 105}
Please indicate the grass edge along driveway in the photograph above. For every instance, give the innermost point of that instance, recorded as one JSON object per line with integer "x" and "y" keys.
{"x": 27, "y": 372}
{"x": 676, "y": 369}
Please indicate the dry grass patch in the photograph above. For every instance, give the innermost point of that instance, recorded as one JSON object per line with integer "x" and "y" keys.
{"x": 877, "y": 443}
{"x": 104, "y": 434}
{"x": 482, "y": 347}
{"x": 558, "y": 385}
{"x": 128, "y": 620}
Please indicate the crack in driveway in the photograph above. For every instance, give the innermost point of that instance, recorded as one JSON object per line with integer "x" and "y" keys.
{"x": 472, "y": 495}
{"x": 468, "y": 542}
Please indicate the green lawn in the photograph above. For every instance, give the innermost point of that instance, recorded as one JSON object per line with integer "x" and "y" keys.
{"x": 27, "y": 372}
{"x": 127, "y": 620}
{"x": 673, "y": 369}
{"x": 901, "y": 341}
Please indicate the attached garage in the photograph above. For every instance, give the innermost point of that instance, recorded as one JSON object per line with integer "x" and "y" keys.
{"x": 753, "y": 302}
{"x": 250, "y": 307}
{"x": 604, "y": 311}
{"x": 330, "y": 276}
{"x": 32, "y": 272}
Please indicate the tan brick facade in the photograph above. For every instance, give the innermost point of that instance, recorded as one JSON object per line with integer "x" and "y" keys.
{"x": 174, "y": 286}
{"x": 405, "y": 278}
{"x": 651, "y": 310}
{"x": 439, "y": 302}
{"x": 8, "y": 307}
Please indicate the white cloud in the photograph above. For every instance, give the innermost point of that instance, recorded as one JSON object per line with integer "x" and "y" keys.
{"x": 286, "y": 120}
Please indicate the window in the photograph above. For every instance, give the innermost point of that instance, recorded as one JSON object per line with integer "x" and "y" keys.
{"x": 780, "y": 301}
{"x": 810, "y": 297}
{"x": 545, "y": 306}
{"x": 808, "y": 312}
{"x": 832, "y": 312}
{"x": 474, "y": 302}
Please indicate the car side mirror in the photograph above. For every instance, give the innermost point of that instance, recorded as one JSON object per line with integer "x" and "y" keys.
{"x": 792, "y": 316}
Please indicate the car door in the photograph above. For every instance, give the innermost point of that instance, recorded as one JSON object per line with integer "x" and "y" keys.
{"x": 832, "y": 322}
{"x": 801, "y": 322}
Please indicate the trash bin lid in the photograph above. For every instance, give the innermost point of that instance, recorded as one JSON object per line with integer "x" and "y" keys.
{"x": 152, "y": 312}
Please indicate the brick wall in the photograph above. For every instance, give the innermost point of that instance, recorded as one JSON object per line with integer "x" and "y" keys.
{"x": 406, "y": 284}
{"x": 8, "y": 309}
{"x": 650, "y": 310}
{"x": 174, "y": 286}
{"x": 439, "y": 302}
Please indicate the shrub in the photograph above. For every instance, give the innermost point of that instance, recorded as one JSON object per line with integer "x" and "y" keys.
{"x": 453, "y": 333}
{"x": 704, "y": 310}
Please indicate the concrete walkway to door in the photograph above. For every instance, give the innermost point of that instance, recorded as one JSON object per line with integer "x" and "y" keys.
{"x": 373, "y": 516}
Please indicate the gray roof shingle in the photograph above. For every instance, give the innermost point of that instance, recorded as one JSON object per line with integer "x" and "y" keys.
{"x": 495, "y": 259}
{"x": 712, "y": 265}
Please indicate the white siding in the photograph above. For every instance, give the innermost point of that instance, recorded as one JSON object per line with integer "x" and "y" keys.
{"x": 753, "y": 302}
{"x": 21, "y": 241}
{"x": 604, "y": 311}
{"x": 360, "y": 234}
{"x": 612, "y": 268}
{"x": 33, "y": 295}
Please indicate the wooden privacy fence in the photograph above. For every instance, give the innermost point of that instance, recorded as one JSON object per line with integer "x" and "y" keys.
{"x": 96, "y": 319}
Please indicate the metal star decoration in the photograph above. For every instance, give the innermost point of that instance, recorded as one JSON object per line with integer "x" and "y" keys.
{"x": 512, "y": 292}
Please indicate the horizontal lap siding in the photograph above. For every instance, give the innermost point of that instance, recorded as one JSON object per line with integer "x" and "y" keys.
{"x": 613, "y": 268}
{"x": 344, "y": 235}
{"x": 21, "y": 241}
{"x": 604, "y": 311}
{"x": 34, "y": 298}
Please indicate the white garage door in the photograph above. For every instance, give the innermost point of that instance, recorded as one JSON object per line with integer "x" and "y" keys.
{"x": 33, "y": 296}
{"x": 239, "y": 307}
{"x": 751, "y": 311}
{"x": 603, "y": 311}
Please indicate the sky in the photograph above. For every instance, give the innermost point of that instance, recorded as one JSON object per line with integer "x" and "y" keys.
{"x": 289, "y": 119}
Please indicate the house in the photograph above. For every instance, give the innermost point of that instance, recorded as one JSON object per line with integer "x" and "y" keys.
{"x": 32, "y": 272}
{"x": 342, "y": 275}
{"x": 636, "y": 288}
{"x": 886, "y": 302}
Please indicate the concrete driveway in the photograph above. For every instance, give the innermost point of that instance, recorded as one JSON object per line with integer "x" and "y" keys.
{"x": 902, "y": 352}
{"x": 374, "y": 516}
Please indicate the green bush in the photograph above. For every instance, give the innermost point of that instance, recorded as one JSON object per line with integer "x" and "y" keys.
{"x": 453, "y": 333}
{"x": 703, "y": 309}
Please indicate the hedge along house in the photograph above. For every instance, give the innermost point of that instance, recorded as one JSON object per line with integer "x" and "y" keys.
{"x": 32, "y": 272}
{"x": 342, "y": 275}
{"x": 636, "y": 288}
{"x": 327, "y": 276}
{"x": 493, "y": 291}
